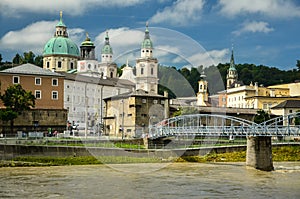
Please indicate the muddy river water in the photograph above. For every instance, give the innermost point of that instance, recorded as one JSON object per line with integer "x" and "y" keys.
{"x": 177, "y": 180}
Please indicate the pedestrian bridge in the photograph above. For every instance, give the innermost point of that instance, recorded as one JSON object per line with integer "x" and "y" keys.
{"x": 224, "y": 125}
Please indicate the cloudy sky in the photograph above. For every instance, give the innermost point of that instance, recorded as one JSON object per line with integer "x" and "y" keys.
{"x": 184, "y": 32}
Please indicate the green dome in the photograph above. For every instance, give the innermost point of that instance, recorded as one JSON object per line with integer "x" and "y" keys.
{"x": 107, "y": 49}
{"x": 61, "y": 46}
{"x": 87, "y": 42}
{"x": 147, "y": 43}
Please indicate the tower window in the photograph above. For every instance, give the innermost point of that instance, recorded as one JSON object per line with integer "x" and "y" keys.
{"x": 152, "y": 71}
{"x": 48, "y": 64}
{"x": 147, "y": 51}
{"x": 71, "y": 65}
{"x": 59, "y": 64}
{"x": 111, "y": 75}
{"x": 142, "y": 71}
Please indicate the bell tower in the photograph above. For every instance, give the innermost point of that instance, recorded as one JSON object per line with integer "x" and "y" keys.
{"x": 147, "y": 66}
{"x": 232, "y": 75}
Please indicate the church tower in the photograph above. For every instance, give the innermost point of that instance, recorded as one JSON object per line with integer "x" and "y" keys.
{"x": 147, "y": 66}
{"x": 88, "y": 62}
{"x": 202, "y": 95}
{"x": 60, "y": 53}
{"x": 107, "y": 68}
{"x": 232, "y": 75}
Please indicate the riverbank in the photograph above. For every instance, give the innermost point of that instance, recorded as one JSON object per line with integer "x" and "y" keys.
{"x": 284, "y": 153}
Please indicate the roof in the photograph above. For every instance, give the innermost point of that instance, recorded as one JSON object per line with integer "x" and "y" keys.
{"x": 288, "y": 104}
{"x": 147, "y": 43}
{"x": 96, "y": 80}
{"x": 61, "y": 46}
{"x": 136, "y": 93}
{"x": 107, "y": 49}
{"x": 30, "y": 69}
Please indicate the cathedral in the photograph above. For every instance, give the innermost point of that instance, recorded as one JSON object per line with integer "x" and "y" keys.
{"x": 61, "y": 54}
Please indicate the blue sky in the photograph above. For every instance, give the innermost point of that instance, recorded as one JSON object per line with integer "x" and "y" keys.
{"x": 184, "y": 32}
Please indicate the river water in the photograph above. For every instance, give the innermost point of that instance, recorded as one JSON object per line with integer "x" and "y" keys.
{"x": 178, "y": 180}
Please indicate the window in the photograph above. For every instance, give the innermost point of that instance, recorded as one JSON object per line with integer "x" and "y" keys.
{"x": 59, "y": 64}
{"x": 154, "y": 101}
{"x": 54, "y": 95}
{"x": 48, "y": 64}
{"x": 152, "y": 71}
{"x": 142, "y": 71}
{"x": 265, "y": 106}
{"x": 54, "y": 82}
{"x": 38, "y": 81}
{"x": 144, "y": 101}
{"x": 38, "y": 94}
{"x": 129, "y": 115}
{"x": 16, "y": 80}
{"x": 71, "y": 65}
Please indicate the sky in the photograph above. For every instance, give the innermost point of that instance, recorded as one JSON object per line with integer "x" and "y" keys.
{"x": 185, "y": 33}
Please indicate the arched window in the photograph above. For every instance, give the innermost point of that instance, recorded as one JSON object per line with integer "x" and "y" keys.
{"x": 142, "y": 71}
{"x": 111, "y": 74}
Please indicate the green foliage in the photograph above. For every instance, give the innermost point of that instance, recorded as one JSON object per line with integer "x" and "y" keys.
{"x": 17, "y": 59}
{"x": 28, "y": 57}
{"x": 7, "y": 114}
{"x": 15, "y": 98}
{"x": 185, "y": 111}
{"x": 261, "y": 116}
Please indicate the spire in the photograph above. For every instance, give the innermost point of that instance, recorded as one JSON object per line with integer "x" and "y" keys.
{"x": 232, "y": 64}
{"x": 147, "y": 43}
{"x": 60, "y": 14}
{"x": 147, "y": 36}
{"x": 106, "y": 38}
{"x": 60, "y": 23}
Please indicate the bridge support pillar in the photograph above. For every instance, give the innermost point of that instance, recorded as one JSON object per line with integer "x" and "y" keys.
{"x": 259, "y": 153}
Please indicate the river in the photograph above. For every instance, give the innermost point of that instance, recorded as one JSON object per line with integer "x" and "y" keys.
{"x": 177, "y": 180}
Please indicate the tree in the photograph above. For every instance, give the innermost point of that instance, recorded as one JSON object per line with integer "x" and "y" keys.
{"x": 298, "y": 65}
{"x": 261, "y": 116}
{"x": 0, "y": 59}
{"x": 16, "y": 100}
{"x": 38, "y": 60}
{"x": 17, "y": 59}
{"x": 29, "y": 57}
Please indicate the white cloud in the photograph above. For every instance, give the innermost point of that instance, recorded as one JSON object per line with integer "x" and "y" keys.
{"x": 254, "y": 26}
{"x": 74, "y": 7}
{"x": 271, "y": 8}
{"x": 182, "y": 12}
{"x": 209, "y": 58}
{"x": 125, "y": 43}
{"x": 34, "y": 36}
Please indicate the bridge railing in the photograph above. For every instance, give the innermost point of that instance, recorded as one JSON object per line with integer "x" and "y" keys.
{"x": 217, "y": 125}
